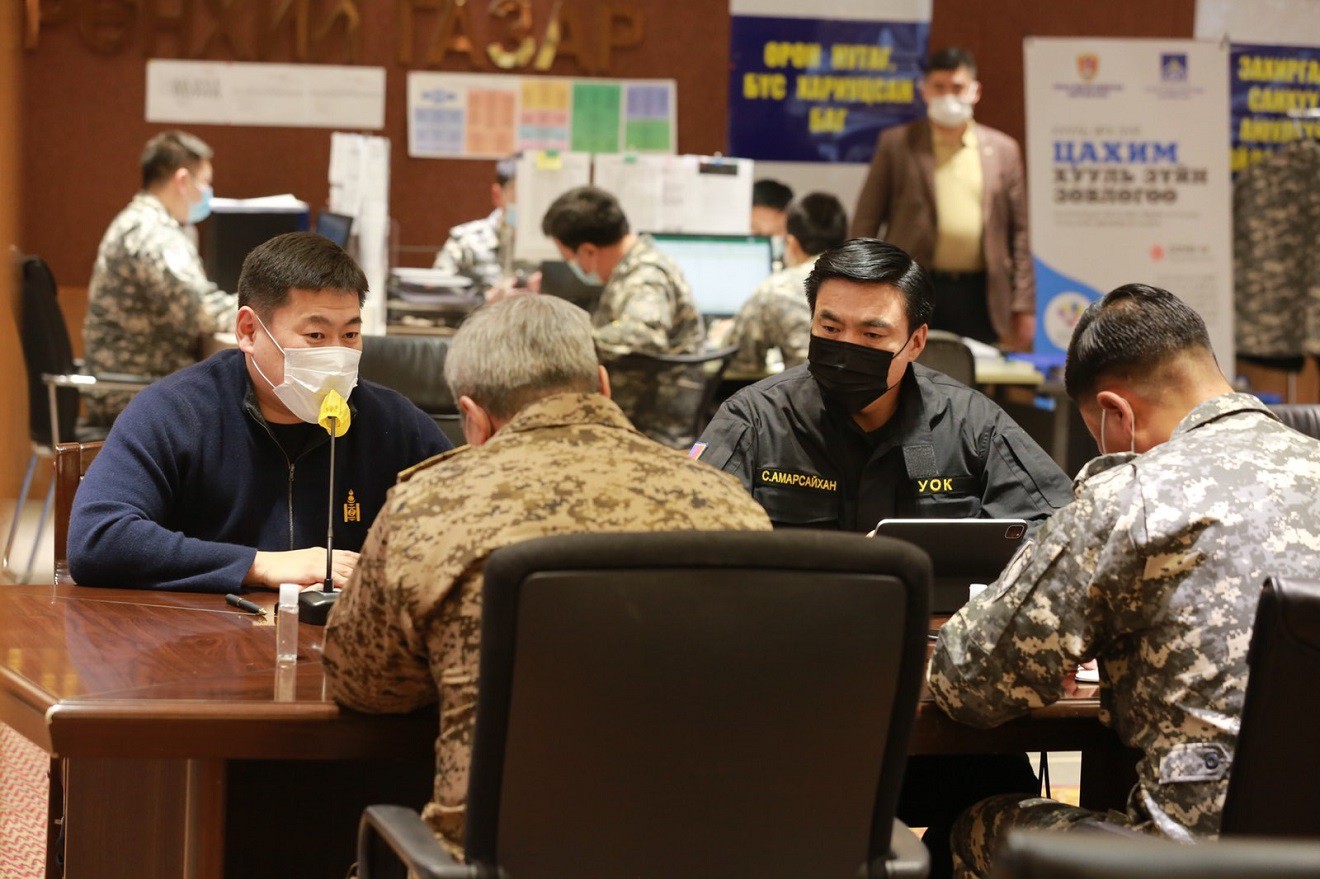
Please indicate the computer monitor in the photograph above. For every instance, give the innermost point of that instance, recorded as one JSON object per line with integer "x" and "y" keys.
{"x": 229, "y": 234}
{"x": 336, "y": 227}
{"x": 722, "y": 270}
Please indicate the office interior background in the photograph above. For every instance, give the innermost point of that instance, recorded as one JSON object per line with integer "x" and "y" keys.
{"x": 72, "y": 99}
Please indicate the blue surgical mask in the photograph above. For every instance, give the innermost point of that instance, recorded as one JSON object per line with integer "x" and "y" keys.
{"x": 511, "y": 216}
{"x": 200, "y": 210}
{"x": 593, "y": 279}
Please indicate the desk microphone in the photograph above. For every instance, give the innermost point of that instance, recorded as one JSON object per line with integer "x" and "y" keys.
{"x": 314, "y": 606}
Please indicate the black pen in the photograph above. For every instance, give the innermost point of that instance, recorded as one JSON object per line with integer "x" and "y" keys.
{"x": 244, "y": 604}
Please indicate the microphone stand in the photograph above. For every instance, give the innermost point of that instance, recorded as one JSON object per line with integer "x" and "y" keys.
{"x": 314, "y": 607}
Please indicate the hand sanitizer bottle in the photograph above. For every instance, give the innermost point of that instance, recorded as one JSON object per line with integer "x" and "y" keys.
{"x": 286, "y": 624}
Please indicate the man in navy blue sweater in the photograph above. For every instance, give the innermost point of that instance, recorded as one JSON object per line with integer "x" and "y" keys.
{"x": 217, "y": 476}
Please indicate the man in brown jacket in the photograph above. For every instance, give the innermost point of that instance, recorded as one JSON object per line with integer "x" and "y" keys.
{"x": 952, "y": 194}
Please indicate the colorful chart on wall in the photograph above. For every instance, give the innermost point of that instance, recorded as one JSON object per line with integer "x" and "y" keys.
{"x": 485, "y": 116}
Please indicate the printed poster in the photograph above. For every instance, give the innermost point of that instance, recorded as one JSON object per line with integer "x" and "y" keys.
{"x": 1128, "y": 172}
{"x": 485, "y": 116}
{"x": 1275, "y": 99}
{"x": 807, "y": 89}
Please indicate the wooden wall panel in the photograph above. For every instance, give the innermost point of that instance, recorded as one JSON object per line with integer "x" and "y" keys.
{"x": 85, "y": 129}
{"x": 13, "y": 387}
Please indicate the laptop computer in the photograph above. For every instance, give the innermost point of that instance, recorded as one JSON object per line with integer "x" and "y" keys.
{"x": 336, "y": 227}
{"x": 722, "y": 270}
{"x": 962, "y": 552}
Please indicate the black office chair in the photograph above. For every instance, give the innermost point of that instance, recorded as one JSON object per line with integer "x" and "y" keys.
{"x": 690, "y": 382}
{"x": 415, "y": 367}
{"x": 1300, "y": 416}
{"x": 948, "y": 353}
{"x": 1272, "y": 787}
{"x": 688, "y": 704}
{"x": 1099, "y": 855}
{"x": 54, "y": 384}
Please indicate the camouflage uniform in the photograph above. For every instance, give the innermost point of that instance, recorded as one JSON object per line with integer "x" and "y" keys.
{"x": 647, "y": 306}
{"x": 474, "y": 250}
{"x": 408, "y": 622}
{"x": 776, "y": 316}
{"x": 1276, "y": 269}
{"x": 149, "y": 302}
{"x": 1155, "y": 569}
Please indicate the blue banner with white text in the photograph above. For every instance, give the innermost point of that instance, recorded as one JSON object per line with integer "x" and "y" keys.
{"x": 1265, "y": 83}
{"x": 820, "y": 90}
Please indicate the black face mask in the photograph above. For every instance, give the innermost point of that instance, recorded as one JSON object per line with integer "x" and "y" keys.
{"x": 854, "y": 376}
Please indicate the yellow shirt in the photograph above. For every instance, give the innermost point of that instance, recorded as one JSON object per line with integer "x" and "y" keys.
{"x": 958, "y": 189}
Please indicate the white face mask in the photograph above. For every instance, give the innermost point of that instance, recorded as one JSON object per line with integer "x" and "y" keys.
{"x": 310, "y": 374}
{"x": 949, "y": 111}
{"x": 1132, "y": 449}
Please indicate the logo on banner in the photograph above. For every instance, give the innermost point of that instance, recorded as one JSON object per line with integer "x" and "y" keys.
{"x": 1088, "y": 65}
{"x": 1173, "y": 66}
{"x": 1061, "y": 315}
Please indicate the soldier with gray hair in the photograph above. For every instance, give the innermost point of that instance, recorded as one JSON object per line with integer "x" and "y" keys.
{"x": 149, "y": 302}
{"x": 548, "y": 453}
{"x": 1199, "y": 495}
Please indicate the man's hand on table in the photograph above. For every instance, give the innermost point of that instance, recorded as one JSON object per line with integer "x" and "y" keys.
{"x": 304, "y": 566}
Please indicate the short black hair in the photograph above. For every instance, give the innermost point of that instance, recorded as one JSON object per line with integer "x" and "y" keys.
{"x": 871, "y": 261}
{"x": 818, "y": 221}
{"x": 506, "y": 169}
{"x": 951, "y": 58}
{"x": 585, "y": 215}
{"x": 296, "y": 260}
{"x": 767, "y": 193}
{"x": 1133, "y": 330}
{"x": 169, "y": 151}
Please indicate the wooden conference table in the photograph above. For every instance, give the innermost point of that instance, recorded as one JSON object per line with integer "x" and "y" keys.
{"x": 187, "y": 753}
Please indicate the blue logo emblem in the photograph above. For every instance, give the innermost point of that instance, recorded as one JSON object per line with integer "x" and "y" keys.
{"x": 1173, "y": 66}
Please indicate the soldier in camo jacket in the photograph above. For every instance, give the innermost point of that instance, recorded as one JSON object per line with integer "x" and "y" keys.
{"x": 482, "y": 249}
{"x": 549, "y": 453}
{"x": 777, "y": 314}
{"x": 149, "y": 302}
{"x": 1154, "y": 570}
{"x": 646, "y": 307}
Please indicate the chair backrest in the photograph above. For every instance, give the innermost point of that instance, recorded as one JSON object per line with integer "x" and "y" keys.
{"x": 1300, "y": 416}
{"x": 1099, "y": 855}
{"x": 46, "y": 349}
{"x": 1272, "y": 786}
{"x": 71, "y": 463}
{"x": 695, "y": 704}
{"x": 412, "y": 365}
{"x": 689, "y": 382}
{"x": 948, "y": 353}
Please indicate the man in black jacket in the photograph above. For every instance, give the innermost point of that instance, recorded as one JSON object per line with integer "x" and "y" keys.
{"x": 862, "y": 433}
{"x": 217, "y": 476}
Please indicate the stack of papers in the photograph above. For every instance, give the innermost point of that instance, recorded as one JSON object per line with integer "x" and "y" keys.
{"x": 428, "y": 279}
{"x": 266, "y": 204}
